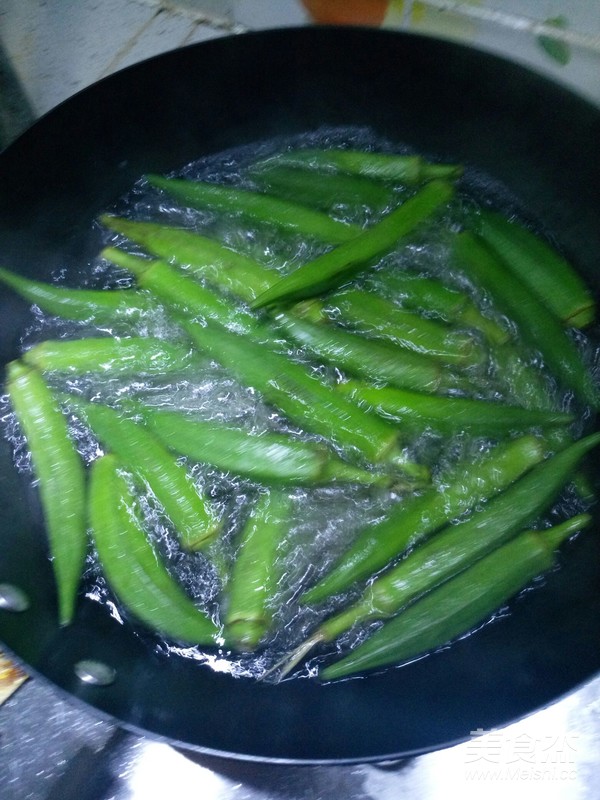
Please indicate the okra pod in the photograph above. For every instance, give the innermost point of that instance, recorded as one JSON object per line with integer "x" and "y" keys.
{"x": 408, "y": 523}
{"x": 326, "y": 191}
{"x": 537, "y": 324}
{"x": 138, "y": 578}
{"x": 108, "y": 355}
{"x": 458, "y": 546}
{"x": 261, "y": 208}
{"x": 547, "y": 274}
{"x": 212, "y": 260}
{"x": 451, "y": 415}
{"x": 372, "y": 315}
{"x": 372, "y": 359}
{"x": 193, "y": 517}
{"x": 82, "y": 305}
{"x": 303, "y": 398}
{"x": 185, "y": 294}
{"x": 61, "y": 478}
{"x": 522, "y": 381}
{"x": 457, "y": 606}
{"x": 167, "y": 283}
{"x": 333, "y": 267}
{"x": 180, "y": 291}
{"x": 253, "y": 581}
{"x": 267, "y": 457}
{"x": 422, "y": 293}
{"x": 393, "y": 167}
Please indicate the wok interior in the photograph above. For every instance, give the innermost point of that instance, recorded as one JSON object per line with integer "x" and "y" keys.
{"x": 445, "y": 101}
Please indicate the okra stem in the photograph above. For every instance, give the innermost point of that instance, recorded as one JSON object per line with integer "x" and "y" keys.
{"x": 410, "y": 522}
{"x": 61, "y": 476}
{"x": 139, "y": 579}
{"x": 455, "y": 607}
{"x": 333, "y": 267}
{"x": 547, "y": 274}
{"x": 258, "y": 207}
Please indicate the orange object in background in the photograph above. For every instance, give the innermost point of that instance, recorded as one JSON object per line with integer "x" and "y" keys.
{"x": 347, "y": 12}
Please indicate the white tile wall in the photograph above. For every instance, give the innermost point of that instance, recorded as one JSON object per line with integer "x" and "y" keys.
{"x": 58, "y": 47}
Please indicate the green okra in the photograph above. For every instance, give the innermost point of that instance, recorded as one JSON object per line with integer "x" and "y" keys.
{"x": 422, "y": 293}
{"x": 254, "y": 575}
{"x": 108, "y": 355}
{"x": 180, "y": 291}
{"x": 336, "y": 265}
{"x": 458, "y": 546}
{"x": 326, "y": 191}
{"x": 536, "y": 323}
{"x": 398, "y": 168}
{"x": 372, "y": 359}
{"x": 347, "y": 351}
{"x": 258, "y": 207}
{"x": 458, "y": 605}
{"x": 371, "y": 314}
{"x": 194, "y": 519}
{"x": 61, "y": 478}
{"x": 451, "y": 415}
{"x": 415, "y": 291}
{"x": 185, "y": 294}
{"x": 522, "y": 381}
{"x": 292, "y": 389}
{"x": 547, "y": 274}
{"x": 410, "y": 522}
{"x": 266, "y": 457}
{"x": 138, "y": 578}
{"x": 82, "y": 305}
{"x": 526, "y": 385}
{"x": 217, "y": 263}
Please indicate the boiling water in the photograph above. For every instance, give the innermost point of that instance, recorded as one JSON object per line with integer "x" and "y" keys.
{"x": 324, "y": 519}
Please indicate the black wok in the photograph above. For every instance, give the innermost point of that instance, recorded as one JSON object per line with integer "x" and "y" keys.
{"x": 442, "y": 99}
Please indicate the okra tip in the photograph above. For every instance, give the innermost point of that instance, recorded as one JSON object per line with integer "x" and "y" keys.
{"x": 134, "y": 264}
{"x": 158, "y": 181}
{"x": 17, "y": 369}
{"x": 558, "y": 534}
{"x": 446, "y": 171}
{"x": 114, "y": 223}
{"x": 202, "y": 540}
{"x": 285, "y": 665}
{"x": 244, "y": 634}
